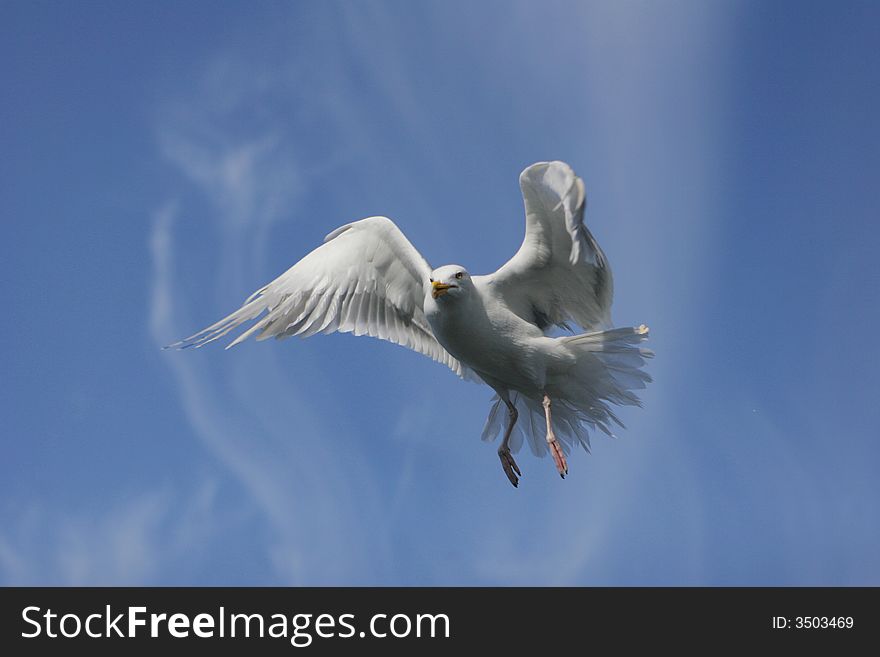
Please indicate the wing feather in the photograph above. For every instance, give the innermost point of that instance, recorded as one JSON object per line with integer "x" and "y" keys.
{"x": 366, "y": 278}
{"x": 559, "y": 273}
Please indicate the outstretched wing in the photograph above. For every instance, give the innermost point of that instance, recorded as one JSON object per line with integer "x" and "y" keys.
{"x": 559, "y": 273}
{"x": 365, "y": 279}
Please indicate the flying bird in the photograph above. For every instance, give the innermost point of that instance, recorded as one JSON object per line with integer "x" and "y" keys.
{"x": 368, "y": 279}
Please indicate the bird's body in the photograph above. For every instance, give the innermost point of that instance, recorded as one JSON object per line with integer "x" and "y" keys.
{"x": 495, "y": 343}
{"x": 368, "y": 279}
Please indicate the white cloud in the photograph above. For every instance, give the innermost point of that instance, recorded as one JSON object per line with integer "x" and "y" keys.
{"x": 266, "y": 436}
{"x": 135, "y": 541}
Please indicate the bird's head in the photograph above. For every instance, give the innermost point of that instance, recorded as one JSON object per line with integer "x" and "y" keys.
{"x": 450, "y": 280}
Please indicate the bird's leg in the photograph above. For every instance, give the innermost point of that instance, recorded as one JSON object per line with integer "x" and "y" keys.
{"x": 555, "y": 447}
{"x": 507, "y": 462}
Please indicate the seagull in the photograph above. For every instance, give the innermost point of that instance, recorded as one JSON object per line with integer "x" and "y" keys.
{"x": 498, "y": 329}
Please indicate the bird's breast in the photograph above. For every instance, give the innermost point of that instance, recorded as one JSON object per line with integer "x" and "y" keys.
{"x": 488, "y": 344}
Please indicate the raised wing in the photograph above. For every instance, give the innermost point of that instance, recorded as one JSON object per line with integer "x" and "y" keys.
{"x": 559, "y": 273}
{"x": 365, "y": 279}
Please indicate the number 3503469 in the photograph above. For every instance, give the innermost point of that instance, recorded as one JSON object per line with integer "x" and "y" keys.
{"x": 820, "y": 622}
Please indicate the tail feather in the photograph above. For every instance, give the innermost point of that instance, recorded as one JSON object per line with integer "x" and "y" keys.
{"x": 608, "y": 369}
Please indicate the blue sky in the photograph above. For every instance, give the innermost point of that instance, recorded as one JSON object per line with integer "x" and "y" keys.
{"x": 160, "y": 161}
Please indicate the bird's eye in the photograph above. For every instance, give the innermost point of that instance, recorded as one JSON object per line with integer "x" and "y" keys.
{"x": 430, "y": 280}
{"x": 459, "y": 274}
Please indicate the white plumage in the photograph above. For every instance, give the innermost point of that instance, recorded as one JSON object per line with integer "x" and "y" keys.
{"x": 368, "y": 279}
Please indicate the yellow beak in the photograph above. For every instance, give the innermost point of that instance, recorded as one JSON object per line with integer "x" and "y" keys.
{"x": 438, "y": 289}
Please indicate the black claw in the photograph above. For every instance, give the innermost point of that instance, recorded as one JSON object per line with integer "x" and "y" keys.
{"x": 509, "y": 466}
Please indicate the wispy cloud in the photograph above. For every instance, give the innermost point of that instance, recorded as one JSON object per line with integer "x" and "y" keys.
{"x": 260, "y": 434}
{"x": 134, "y": 541}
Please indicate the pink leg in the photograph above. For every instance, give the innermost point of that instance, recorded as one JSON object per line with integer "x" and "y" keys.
{"x": 553, "y": 444}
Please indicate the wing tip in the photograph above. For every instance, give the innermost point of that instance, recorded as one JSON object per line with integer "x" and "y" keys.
{"x": 544, "y": 165}
{"x": 525, "y": 174}
{"x": 192, "y": 342}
